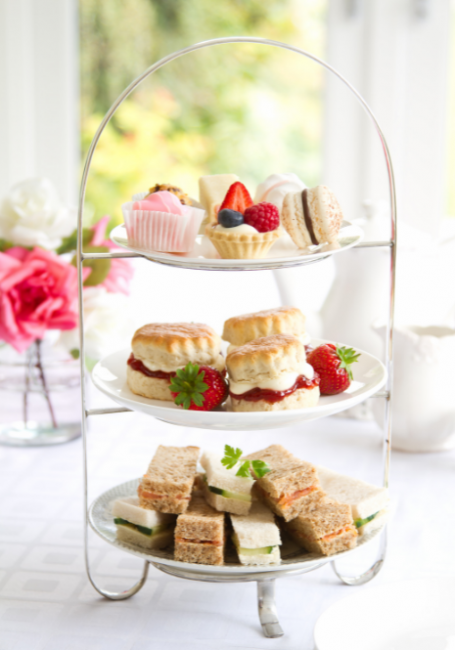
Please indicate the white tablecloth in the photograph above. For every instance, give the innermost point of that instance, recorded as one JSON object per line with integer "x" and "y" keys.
{"x": 47, "y": 603}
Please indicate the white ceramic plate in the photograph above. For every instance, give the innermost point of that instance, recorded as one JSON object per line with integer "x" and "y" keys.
{"x": 293, "y": 558}
{"x": 284, "y": 253}
{"x": 408, "y": 615}
{"x": 109, "y": 375}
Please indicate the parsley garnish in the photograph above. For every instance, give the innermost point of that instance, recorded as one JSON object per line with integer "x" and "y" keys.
{"x": 233, "y": 456}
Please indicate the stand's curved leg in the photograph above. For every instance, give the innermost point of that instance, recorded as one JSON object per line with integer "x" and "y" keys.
{"x": 117, "y": 595}
{"x": 267, "y": 609}
{"x": 373, "y": 571}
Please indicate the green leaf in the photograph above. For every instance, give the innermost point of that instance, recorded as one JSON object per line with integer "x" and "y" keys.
{"x": 100, "y": 268}
{"x": 244, "y": 469}
{"x": 231, "y": 456}
{"x": 347, "y": 356}
{"x": 189, "y": 385}
{"x": 260, "y": 468}
{"x": 4, "y": 245}
{"x": 69, "y": 244}
{"x": 75, "y": 353}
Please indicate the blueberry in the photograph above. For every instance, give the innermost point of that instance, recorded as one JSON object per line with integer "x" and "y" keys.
{"x": 230, "y": 218}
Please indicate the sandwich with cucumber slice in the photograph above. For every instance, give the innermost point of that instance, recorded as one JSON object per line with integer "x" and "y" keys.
{"x": 228, "y": 480}
{"x": 141, "y": 526}
{"x": 256, "y": 536}
{"x": 368, "y": 503}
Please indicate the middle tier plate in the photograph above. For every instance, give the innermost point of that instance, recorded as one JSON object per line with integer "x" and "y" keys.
{"x": 109, "y": 376}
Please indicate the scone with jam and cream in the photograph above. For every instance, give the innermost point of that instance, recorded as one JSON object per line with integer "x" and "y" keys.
{"x": 247, "y": 327}
{"x": 159, "y": 349}
{"x": 271, "y": 374}
{"x": 244, "y": 230}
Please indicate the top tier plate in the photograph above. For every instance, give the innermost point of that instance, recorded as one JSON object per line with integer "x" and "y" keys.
{"x": 283, "y": 254}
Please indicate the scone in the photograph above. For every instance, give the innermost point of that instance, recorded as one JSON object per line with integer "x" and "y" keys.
{"x": 312, "y": 217}
{"x": 271, "y": 374}
{"x": 159, "y": 349}
{"x": 247, "y": 327}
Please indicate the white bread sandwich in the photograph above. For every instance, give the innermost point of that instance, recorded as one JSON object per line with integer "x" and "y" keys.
{"x": 169, "y": 480}
{"x": 223, "y": 489}
{"x": 271, "y": 374}
{"x": 160, "y": 349}
{"x": 291, "y": 487}
{"x": 368, "y": 503}
{"x": 239, "y": 330}
{"x": 327, "y": 529}
{"x": 256, "y": 536}
{"x": 200, "y": 534}
{"x": 140, "y": 526}
{"x": 312, "y": 216}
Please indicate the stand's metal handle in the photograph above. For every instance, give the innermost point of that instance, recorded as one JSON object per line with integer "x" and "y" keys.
{"x": 267, "y": 609}
{"x": 373, "y": 571}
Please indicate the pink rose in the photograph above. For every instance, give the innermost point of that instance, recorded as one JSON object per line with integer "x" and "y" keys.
{"x": 38, "y": 291}
{"x": 121, "y": 271}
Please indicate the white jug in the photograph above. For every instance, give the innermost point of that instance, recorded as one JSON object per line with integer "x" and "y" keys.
{"x": 423, "y": 411}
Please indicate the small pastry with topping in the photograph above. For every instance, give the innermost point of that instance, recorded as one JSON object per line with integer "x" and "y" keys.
{"x": 291, "y": 487}
{"x": 200, "y": 534}
{"x": 159, "y": 349}
{"x": 312, "y": 216}
{"x": 165, "y": 187}
{"x": 271, "y": 374}
{"x": 248, "y": 327}
{"x": 244, "y": 230}
{"x": 169, "y": 480}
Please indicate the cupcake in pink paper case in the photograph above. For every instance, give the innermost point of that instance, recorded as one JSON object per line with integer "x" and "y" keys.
{"x": 160, "y": 222}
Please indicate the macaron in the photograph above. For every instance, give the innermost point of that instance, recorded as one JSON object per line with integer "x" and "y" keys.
{"x": 312, "y": 216}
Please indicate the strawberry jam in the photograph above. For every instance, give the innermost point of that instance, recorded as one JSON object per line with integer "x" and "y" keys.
{"x": 273, "y": 396}
{"x": 137, "y": 365}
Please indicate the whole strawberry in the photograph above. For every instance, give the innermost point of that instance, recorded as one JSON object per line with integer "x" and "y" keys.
{"x": 333, "y": 363}
{"x": 198, "y": 388}
{"x": 262, "y": 216}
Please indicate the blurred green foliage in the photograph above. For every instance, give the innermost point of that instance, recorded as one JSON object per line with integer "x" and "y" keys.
{"x": 246, "y": 109}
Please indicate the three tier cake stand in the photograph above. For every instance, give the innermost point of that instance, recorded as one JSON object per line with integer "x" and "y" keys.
{"x": 98, "y": 516}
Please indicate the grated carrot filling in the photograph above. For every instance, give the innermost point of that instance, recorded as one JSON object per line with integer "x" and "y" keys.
{"x": 151, "y": 495}
{"x": 287, "y": 499}
{"x": 180, "y": 540}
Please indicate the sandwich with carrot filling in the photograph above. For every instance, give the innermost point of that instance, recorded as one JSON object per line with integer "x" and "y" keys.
{"x": 291, "y": 486}
{"x": 140, "y": 526}
{"x": 200, "y": 534}
{"x": 169, "y": 480}
{"x": 271, "y": 374}
{"x": 326, "y": 530}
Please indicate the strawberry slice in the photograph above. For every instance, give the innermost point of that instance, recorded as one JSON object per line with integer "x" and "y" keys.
{"x": 237, "y": 198}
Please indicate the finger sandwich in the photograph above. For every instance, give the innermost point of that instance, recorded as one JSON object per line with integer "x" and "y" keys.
{"x": 271, "y": 374}
{"x": 327, "y": 529}
{"x": 247, "y": 327}
{"x": 368, "y": 503}
{"x": 140, "y": 526}
{"x": 223, "y": 490}
{"x": 292, "y": 485}
{"x": 256, "y": 536}
{"x": 200, "y": 534}
{"x": 160, "y": 349}
{"x": 169, "y": 480}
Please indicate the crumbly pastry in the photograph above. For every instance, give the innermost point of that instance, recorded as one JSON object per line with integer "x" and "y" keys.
{"x": 312, "y": 216}
{"x": 179, "y": 193}
{"x": 291, "y": 487}
{"x": 247, "y": 327}
{"x": 238, "y": 244}
{"x": 169, "y": 480}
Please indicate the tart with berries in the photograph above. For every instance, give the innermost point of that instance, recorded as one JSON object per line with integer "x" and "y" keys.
{"x": 244, "y": 230}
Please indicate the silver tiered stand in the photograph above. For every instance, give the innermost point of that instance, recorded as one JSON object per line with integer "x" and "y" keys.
{"x": 265, "y": 580}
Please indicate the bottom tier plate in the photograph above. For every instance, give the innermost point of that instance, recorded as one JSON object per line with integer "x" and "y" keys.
{"x": 293, "y": 558}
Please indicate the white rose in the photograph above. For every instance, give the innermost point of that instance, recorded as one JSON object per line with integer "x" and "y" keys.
{"x": 107, "y": 329}
{"x": 33, "y": 215}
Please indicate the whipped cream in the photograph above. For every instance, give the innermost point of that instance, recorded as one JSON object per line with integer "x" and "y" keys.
{"x": 218, "y": 362}
{"x": 240, "y": 230}
{"x": 284, "y": 381}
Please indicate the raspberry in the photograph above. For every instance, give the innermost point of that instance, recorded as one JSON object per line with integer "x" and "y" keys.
{"x": 262, "y": 216}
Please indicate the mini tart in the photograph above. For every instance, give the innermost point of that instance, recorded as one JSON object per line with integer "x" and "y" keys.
{"x": 241, "y": 246}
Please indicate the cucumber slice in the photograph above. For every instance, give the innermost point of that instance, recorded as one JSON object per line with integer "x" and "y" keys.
{"x": 141, "y": 529}
{"x": 230, "y": 495}
{"x": 265, "y": 550}
{"x": 361, "y": 522}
